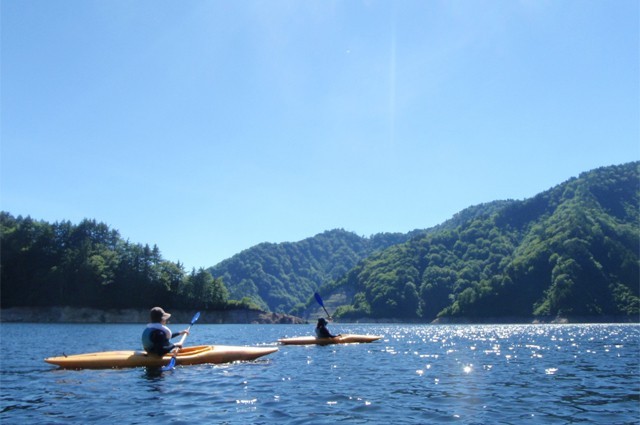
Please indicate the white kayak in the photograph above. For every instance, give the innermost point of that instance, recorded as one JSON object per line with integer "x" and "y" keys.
{"x": 340, "y": 339}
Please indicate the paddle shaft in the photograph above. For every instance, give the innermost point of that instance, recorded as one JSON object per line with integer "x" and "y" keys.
{"x": 184, "y": 336}
{"x": 172, "y": 362}
{"x": 319, "y": 300}
{"x": 325, "y": 310}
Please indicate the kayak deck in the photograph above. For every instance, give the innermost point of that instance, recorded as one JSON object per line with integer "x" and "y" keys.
{"x": 340, "y": 339}
{"x": 198, "y": 354}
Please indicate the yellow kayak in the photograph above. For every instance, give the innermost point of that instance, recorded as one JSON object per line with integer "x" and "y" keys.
{"x": 198, "y": 354}
{"x": 340, "y": 339}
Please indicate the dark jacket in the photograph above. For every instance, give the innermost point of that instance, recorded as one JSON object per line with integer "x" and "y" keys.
{"x": 323, "y": 332}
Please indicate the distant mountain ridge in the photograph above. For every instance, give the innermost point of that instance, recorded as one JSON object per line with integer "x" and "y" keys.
{"x": 571, "y": 250}
{"x": 281, "y": 277}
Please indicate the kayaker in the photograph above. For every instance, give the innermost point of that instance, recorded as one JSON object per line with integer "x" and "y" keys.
{"x": 156, "y": 336}
{"x": 322, "y": 331}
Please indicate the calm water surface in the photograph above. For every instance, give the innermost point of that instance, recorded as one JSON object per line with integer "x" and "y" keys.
{"x": 417, "y": 374}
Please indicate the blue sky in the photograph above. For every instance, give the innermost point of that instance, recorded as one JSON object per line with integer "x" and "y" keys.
{"x": 207, "y": 127}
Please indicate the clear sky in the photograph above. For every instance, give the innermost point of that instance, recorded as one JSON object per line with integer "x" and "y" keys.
{"x": 207, "y": 127}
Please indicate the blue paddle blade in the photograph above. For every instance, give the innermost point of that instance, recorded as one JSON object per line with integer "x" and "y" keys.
{"x": 319, "y": 299}
{"x": 195, "y": 318}
{"x": 171, "y": 365}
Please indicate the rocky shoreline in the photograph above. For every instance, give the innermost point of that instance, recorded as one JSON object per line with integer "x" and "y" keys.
{"x": 89, "y": 315}
{"x": 248, "y": 316}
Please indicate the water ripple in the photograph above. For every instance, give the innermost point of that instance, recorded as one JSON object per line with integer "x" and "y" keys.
{"x": 416, "y": 374}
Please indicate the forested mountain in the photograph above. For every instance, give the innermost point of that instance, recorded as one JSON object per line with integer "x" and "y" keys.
{"x": 571, "y": 251}
{"x": 90, "y": 265}
{"x": 281, "y": 277}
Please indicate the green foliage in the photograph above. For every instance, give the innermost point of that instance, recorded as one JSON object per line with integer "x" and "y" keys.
{"x": 283, "y": 277}
{"x": 89, "y": 265}
{"x": 570, "y": 251}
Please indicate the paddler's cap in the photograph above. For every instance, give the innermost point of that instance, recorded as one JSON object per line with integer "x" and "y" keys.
{"x": 158, "y": 315}
{"x": 322, "y": 321}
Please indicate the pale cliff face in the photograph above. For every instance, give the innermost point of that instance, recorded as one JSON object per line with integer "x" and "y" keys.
{"x": 88, "y": 315}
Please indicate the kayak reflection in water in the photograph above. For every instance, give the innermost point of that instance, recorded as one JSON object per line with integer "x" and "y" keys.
{"x": 322, "y": 331}
{"x": 156, "y": 336}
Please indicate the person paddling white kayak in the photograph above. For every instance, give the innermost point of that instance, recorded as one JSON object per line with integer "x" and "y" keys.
{"x": 322, "y": 331}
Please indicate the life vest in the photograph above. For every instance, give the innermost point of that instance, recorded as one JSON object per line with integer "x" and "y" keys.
{"x": 155, "y": 338}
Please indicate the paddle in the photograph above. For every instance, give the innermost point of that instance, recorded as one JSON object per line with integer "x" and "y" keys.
{"x": 319, "y": 299}
{"x": 172, "y": 362}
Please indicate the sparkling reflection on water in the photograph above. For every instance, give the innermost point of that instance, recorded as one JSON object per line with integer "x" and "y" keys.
{"x": 468, "y": 374}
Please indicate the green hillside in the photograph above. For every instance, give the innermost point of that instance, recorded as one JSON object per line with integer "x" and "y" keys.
{"x": 281, "y": 277}
{"x": 571, "y": 251}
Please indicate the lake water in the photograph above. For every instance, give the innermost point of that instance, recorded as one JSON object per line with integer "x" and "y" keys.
{"x": 416, "y": 374}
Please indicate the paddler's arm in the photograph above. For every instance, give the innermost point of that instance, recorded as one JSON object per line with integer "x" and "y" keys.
{"x": 175, "y": 334}
{"x": 172, "y": 347}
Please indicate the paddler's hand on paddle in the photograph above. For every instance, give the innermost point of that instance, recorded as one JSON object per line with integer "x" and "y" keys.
{"x": 178, "y": 345}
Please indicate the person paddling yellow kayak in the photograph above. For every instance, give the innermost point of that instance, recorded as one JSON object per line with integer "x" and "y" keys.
{"x": 156, "y": 336}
